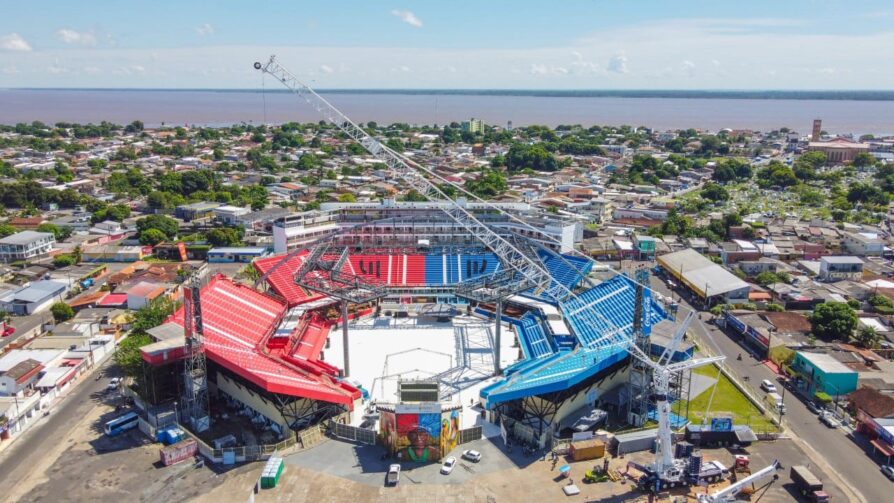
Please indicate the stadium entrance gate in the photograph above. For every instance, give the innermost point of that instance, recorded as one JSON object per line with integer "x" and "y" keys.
{"x": 352, "y": 433}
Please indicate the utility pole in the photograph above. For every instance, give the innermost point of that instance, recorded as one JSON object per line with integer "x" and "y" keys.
{"x": 497, "y": 369}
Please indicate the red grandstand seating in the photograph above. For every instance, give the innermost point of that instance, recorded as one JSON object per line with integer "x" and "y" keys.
{"x": 282, "y": 280}
{"x": 415, "y": 269}
{"x": 238, "y": 319}
{"x": 397, "y": 269}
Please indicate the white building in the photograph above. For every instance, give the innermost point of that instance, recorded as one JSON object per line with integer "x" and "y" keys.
{"x": 26, "y": 245}
{"x": 838, "y": 268}
{"x": 863, "y": 244}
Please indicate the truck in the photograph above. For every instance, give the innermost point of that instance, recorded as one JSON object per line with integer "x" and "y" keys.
{"x": 393, "y": 476}
{"x": 86, "y": 283}
{"x": 808, "y": 484}
{"x": 775, "y": 401}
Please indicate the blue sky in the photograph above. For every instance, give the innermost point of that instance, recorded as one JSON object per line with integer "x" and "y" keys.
{"x": 596, "y": 44}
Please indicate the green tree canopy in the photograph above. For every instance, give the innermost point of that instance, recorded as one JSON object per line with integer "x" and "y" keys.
{"x": 152, "y": 237}
{"x": 62, "y": 312}
{"x": 166, "y": 225}
{"x": 833, "y": 321}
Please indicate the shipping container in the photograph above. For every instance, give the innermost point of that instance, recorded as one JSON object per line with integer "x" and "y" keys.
{"x": 636, "y": 441}
{"x": 587, "y": 449}
{"x": 178, "y": 452}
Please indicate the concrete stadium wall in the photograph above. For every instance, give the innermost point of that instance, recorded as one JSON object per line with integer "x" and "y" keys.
{"x": 256, "y": 402}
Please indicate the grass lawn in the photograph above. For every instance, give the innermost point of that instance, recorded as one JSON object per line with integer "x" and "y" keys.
{"x": 728, "y": 400}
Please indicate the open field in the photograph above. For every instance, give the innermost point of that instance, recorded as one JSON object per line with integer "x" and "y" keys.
{"x": 726, "y": 400}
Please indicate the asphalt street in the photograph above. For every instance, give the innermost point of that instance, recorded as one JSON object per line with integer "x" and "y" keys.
{"x": 26, "y": 451}
{"x": 840, "y": 452}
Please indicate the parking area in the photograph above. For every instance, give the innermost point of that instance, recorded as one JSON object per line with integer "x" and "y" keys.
{"x": 336, "y": 471}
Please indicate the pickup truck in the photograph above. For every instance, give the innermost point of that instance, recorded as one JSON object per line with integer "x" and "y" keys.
{"x": 393, "y": 476}
{"x": 828, "y": 419}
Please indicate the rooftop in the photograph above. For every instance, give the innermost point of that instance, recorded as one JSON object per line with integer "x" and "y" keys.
{"x": 826, "y": 362}
{"x": 24, "y": 238}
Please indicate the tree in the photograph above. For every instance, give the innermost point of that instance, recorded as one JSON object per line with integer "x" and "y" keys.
{"x": 128, "y": 356}
{"x": 536, "y": 157}
{"x": 881, "y": 304}
{"x": 53, "y": 229}
{"x": 864, "y": 159}
{"x": 868, "y": 337}
{"x": 7, "y": 230}
{"x": 715, "y": 192}
{"x": 347, "y": 197}
{"x": 833, "y": 321}
{"x": 62, "y": 312}
{"x": 491, "y": 183}
{"x": 867, "y": 194}
{"x": 223, "y": 237}
{"x": 167, "y": 225}
{"x": 768, "y": 278}
{"x": 64, "y": 260}
{"x": 153, "y": 314}
{"x": 413, "y": 195}
{"x": 152, "y": 237}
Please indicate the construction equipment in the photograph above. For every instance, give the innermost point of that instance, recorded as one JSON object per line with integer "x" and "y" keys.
{"x": 195, "y": 368}
{"x": 526, "y": 265}
{"x": 666, "y": 471}
{"x": 728, "y": 494}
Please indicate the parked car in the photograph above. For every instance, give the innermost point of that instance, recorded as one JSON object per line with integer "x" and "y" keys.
{"x": 888, "y": 470}
{"x": 828, "y": 419}
{"x": 393, "y": 476}
{"x": 813, "y": 407}
{"x": 113, "y": 384}
{"x": 767, "y": 386}
{"x": 447, "y": 467}
{"x": 472, "y": 455}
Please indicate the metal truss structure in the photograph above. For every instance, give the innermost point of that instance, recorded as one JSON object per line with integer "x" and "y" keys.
{"x": 195, "y": 369}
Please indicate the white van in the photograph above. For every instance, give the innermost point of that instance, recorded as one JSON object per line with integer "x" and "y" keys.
{"x": 775, "y": 401}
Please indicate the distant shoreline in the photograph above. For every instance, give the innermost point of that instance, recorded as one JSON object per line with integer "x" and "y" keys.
{"x": 829, "y": 95}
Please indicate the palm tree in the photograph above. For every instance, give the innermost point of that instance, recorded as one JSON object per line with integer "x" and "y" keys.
{"x": 867, "y": 337}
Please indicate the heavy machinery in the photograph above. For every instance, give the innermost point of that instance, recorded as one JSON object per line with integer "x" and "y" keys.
{"x": 729, "y": 493}
{"x": 524, "y": 266}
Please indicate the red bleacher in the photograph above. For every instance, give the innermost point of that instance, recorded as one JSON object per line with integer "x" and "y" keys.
{"x": 415, "y": 269}
{"x": 282, "y": 280}
{"x": 397, "y": 270}
{"x": 237, "y": 322}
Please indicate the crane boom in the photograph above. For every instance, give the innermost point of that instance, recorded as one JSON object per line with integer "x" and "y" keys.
{"x": 416, "y": 175}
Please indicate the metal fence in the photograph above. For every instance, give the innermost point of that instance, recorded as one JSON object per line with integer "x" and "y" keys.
{"x": 353, "y": 433}
{"x": 469, "y": 434}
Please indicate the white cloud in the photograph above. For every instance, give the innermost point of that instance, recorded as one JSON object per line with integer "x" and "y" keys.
{"x": 204, "y": 29}
{"x": 14, "y": 42}
{"x": 57, "y": 69}
{"x": 72, "y": 37}
{"x": 407, "y": 17}
{"x": 91, "y": 70}
{"x": 326, "y": 69}
{"x": 688, "y": 68}
{"x": 130, "y": 70}
{"x": 10, "y": 70}
{"x": 538, "y": 69}
{"x": 617, "y": 64}
{"x": 405, "y": 68}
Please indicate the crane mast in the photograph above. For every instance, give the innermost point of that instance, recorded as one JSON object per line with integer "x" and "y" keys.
{"x": 525, "y": 265}
{"x": 195, "y": 368}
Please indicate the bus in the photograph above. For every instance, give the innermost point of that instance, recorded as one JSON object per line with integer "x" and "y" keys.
{"x": 122, "y": 423}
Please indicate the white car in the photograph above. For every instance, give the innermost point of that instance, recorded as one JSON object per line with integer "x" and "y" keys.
{"x": 393, "y": 475}
{"x": 767, "y": 386}
{"x": 447, "y": 467}
{"x": 828, "y": 419}
{"x": 888, "y": 470}
{"x": 113, "y": 384}
{"x": 472, "y": 455}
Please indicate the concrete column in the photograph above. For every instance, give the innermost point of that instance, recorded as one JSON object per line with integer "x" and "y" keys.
{"x": 344, "y": 336}
{"x": 497, "y": 370}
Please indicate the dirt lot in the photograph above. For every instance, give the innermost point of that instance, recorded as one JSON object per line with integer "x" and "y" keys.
{"x": 538, "y": 480}
{"x": 88, "y": 466}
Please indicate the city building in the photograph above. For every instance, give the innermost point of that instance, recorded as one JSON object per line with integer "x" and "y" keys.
{"x": 703, "y": 277}
{"x": 863, "y": 244}
{"x": 229, "y": 215}
{"x": 33, "y": 298}
{"x": 838, "y": 150}
{"x": 473, "y": 126}
{"x": 26, "y": 245}
{"x": 195, "y": 211}
{"x": 821, "y": 372}
{"x": 236, "y": 254}
{"x": 838, "y": 268}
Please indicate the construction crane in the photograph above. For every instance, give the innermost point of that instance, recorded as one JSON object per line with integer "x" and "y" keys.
{"x": 195, "y": 368}
{"x": 665, "y": 469}
{"x": 728, "y": 494}
{"x": 420, "y": 178}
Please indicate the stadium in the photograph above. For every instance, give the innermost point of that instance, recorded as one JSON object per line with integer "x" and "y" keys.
{"x": 421, "y": 293}
{"x": 415, "y": 314}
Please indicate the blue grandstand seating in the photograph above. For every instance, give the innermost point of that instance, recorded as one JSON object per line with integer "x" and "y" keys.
{"x": 434, "y": 269}
{"x": 532, "y": 337}
{"x": 561, "y": 272}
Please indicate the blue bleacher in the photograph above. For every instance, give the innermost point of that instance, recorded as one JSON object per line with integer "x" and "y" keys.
{"x": 434, "y": 269}
{"x": 533, "y": 339}
{"x": 561, "y": 272}
{"x": 477, "y": 265}
{"x": 452, "y": 269}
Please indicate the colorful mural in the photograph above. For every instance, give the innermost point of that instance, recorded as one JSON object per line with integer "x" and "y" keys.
{"x": 449, "y": 430}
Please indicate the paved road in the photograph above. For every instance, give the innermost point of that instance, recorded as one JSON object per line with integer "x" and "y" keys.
{"x": 844, "y": 455}
{"x": 26, "y": 451}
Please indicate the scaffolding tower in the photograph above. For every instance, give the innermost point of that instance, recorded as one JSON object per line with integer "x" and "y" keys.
{"x": 639, "y": 384}
{"x": 195, "y": 369}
